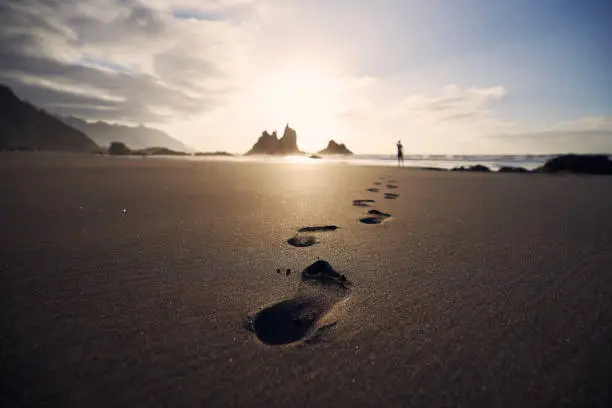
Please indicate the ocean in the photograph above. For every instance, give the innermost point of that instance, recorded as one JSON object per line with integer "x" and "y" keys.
{"x": 447, "y": 162}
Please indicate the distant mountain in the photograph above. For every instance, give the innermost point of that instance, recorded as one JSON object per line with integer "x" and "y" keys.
{"x": 335, "y": 148}
{"x": 269, "y": 144}
{"x": 135, "y": 137}
{"x": 24, "y": 126}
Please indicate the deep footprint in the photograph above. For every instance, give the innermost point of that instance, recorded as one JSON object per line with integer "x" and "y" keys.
{"x": 379, "y": 213}
{"x": 376, "y": 217}
{"x": 371, "y": 220}
{"x": 377, "y": 183}
{"x": 390, "y": 186}
{"x": 301, "y": 240}
{"x": 373, "y": 190}
{"x": 319, "y": 228}
{"x": 391, "y": 196}
{"x": 363, "y": 203}
{"x": 300, "y": 317}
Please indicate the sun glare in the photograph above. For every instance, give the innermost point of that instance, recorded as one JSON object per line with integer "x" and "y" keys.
{"x": 304, "y": 97}
{"x": 300, "y": 160}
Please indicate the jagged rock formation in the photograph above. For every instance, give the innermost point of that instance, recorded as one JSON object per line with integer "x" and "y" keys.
{"x": 266, "y": 144}
{"x": 159, "y": 151}
{"x": 118, "y": 149}
{"x": 218, "y": 153}
{"x": 288, "y": 143}
{"x": 581, "y": 164}
{"x": 335, "y": 148}
{"x": 137, "y": 137}
{"x": 23, "y": 126}
{"x": 479, "y": 168}
{"x": 269, "y": 144}
{"x": 511, "y": 169}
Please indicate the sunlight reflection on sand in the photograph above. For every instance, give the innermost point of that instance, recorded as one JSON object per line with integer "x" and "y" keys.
{"x": 300, "y": 159}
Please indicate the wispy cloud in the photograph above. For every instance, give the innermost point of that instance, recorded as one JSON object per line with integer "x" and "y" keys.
{"x": 453, "y": 104}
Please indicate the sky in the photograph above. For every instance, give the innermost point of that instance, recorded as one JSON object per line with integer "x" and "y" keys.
{"x": 445, "y": 77}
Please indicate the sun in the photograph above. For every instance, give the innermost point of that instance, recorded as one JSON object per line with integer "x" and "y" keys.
{"x": 304, "y": 97}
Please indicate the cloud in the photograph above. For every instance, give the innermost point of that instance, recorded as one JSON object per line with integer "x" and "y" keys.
{"x": 134, "y": 93}
{"x": 134, "y": 61}
{"x": 454, "y": 104}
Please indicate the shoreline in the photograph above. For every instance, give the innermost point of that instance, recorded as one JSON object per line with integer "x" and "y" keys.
{"x": 510, "y": 164}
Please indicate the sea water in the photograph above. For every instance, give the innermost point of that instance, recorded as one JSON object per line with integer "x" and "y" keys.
{"x": 528, "y": 162}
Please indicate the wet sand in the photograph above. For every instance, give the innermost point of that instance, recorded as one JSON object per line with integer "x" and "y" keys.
{"x": 130, "y": 282}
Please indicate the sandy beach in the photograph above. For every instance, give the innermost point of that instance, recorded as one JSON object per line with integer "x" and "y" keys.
{"x": 135, "y": 282}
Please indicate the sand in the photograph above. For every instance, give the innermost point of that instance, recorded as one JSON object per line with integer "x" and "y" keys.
{"x": 134, "y": 282}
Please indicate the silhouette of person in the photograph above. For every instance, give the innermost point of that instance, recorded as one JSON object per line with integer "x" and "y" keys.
{"x": 400, "y": 153}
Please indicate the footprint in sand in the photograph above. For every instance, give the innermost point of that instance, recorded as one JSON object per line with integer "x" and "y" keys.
{"x": 302, "y": 239}
{"x": 363, "y": 202}
{"x": 373, "y": 190}
{"x": 375, "y": 217}
{"x": 307, "y": 312}
{"x": 391, "y": 196}
{"x": 390, "y": 186}
{"x": 377, "y": 183}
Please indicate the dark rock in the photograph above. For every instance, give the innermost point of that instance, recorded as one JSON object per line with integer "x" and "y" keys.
{"x": 158, "y": 151}
{"x": 314, "y": 156}
{"x": 118, "y": 149}
{"x": 335, "y": 148}
{"x": 479, "y": 168}
{"x": 23, "y": 126}
{"x": 213, "y": 154}
{"x": 510, "y": 169}
{"x": 269, "y": 144}
{"x": 288, "y": 143}
{"x": 579, "y": 164}
{"x": 266, "y": 144}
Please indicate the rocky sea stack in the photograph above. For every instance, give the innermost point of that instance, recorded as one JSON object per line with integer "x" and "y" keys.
{"x": 270, "y": 144}
{"x": 335, "y": 148}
